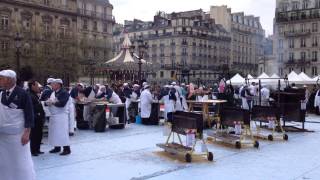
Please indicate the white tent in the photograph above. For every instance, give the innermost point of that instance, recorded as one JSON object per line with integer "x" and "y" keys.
{"x": 249, "y": 76}
{"x": 275, "y": 79}
{"x": 306, "y": 78}
{"x": 275, "y": 76}
{"x": 293, "y": 77}
{"x": 315, "y": 79}
{"x": 262, "y": 78}
{"x": 263, "y": 75}
{"x": 236, "y": 80}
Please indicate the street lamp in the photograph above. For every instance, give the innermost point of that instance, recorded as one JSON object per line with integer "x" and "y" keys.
{"x": 18, "y": 44}
{"x": 91, "y": 63}
{"x": 142, "y": 48}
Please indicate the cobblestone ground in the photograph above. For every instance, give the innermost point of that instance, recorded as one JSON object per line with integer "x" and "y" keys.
{"x": 131, "y": 153}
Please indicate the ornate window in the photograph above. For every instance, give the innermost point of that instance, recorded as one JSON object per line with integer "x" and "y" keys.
{"x": 64, "y": 28}
{"x": 26, "y": 17}
{"x": 4, "y": 24}
{"x": 47, "y": 25}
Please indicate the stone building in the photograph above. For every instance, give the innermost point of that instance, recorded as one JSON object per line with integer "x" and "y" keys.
{"x": 188, "y": 46}
{"x": 59, "y": 37}
{"x": 247, "y": 38}
{"x": 297, "y": 33}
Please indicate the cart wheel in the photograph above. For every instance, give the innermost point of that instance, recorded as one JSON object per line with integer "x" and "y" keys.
{"x": 188, "y": 158}
{"x": 285, "y": 137}
{"x": 238, "y": 145}
{"x": 270, "y": 137}
{"x": 256, "y": 144}
{"x": 210, "y": 156}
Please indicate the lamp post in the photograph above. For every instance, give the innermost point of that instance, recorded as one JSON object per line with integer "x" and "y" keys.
{"x": 91, "y": 63}
{"x": 18, "y": 44}
{"x": 142, "y": 47}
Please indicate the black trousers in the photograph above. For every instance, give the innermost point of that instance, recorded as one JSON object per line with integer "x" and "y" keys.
{"x": 36, "y": 135}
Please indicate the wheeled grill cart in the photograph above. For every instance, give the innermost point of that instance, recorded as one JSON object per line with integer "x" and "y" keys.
{"x": 270, "y": 115}
{"x": 181, "y": 124}
{"x": 231, "y": 117}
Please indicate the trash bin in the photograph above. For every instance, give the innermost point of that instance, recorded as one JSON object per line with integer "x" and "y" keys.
{"x": 99, "y": 118}
{"x": 81, "y": 124}
{"x": 118, "y": 111}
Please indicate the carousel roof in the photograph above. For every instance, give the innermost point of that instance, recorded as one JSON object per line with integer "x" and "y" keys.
{"x": 125, "y": 57}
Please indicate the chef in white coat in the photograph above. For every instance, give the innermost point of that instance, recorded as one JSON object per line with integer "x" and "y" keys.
{"x": 178, "y": 104}
{"x": 164, "y": 96}
{"x": 146, "y": 104}
{"x": 265, "y": 95}
{"x": 58, "y": 132}
{"x": 16, "y": 121}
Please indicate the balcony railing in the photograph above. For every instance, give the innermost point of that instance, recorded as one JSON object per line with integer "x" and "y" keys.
{"x": 95, "y": 14}
{"x": 297, "y": 33}
{"x": 300, "y": 15}
{"x": 298, "y": 62}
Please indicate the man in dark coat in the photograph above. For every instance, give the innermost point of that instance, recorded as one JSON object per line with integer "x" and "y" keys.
{"x": 39, "y": 115}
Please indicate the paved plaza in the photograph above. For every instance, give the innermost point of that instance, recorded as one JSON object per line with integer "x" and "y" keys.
{"x": 131, "y": 153}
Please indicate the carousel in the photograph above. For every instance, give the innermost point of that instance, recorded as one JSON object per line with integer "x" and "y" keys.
{"x": 127, "y": 65}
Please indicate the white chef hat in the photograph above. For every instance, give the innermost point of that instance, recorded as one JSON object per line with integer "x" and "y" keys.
{"x": 144, "y": 83}
{"x": 146, "y": 86}
{"x": 57, "y": 81}
{"x": 8, "y": 73}
{"x": 50, "y": 80}
{"x": 136, "y": 85}
{"x": 173, "y": 83}
{"x": 81, "y": 84}
{"x": 125, "y": 84}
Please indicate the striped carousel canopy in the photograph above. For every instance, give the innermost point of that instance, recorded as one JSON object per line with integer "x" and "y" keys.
{"x": 125, "y": 57}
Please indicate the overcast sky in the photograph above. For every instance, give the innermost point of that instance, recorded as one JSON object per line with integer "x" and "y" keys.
{"x": 146, "y": 9}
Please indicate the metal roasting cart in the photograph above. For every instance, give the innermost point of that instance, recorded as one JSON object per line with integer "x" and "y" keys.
{"x": 231, "y": 117}
{"x": 181, "y": 124}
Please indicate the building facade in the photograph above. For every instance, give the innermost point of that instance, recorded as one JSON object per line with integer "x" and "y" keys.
{"x": 297, "y": 33}
{"x": 59, "y": 37}
{"x": 247, "y": 38}
{"x": 187, "y": 46}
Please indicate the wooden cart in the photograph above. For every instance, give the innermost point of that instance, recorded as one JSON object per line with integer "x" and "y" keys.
{"x": 183, "y": 122}
{"x": 228, "y": 117}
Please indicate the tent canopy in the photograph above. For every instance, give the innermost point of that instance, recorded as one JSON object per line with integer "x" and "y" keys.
{"x": 236, "y": 80}
{"x": 274, "y": 76}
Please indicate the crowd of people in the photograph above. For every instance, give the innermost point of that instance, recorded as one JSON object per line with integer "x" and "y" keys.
{"x": 25, "y": 110}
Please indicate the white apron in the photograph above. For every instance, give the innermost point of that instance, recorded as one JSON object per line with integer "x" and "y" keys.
{"x": 71, "y": 113}
{"x": 88, "y": 108}
{"x": 245, "y": 104}
{"x": 178, "y": 105}
{"x": 317, "y": 100}
{"x": 58, "y": 134}
{"x": 184, "y": 104}
{"x": 166, "y": 102}
{"x": 146, "y": 103}
{"x": 16, "y": 162}
{"x": 115, "y": 99}
{"x": 133, "y": 97}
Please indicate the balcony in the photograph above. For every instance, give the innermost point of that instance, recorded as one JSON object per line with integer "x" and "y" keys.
{"x": 96, "y": 14}
{"x": 298, "y": 62}
{"x": 297, "y": 15}
{"x": 306, "y": 32}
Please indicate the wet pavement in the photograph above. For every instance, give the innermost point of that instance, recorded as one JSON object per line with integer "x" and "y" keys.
{"x": 131, "y": 153}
